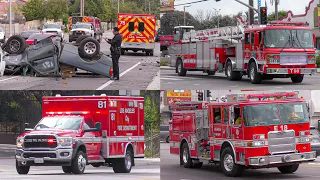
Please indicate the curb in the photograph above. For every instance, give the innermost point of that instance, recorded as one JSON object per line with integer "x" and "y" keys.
{"x": 166, "y": 68}
{"x": 155, "y": 84}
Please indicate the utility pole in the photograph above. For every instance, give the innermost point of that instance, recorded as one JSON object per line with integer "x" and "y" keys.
{"x": 251, "y": 13}
{"x": 118, "y": 6}
{"x": 184, "y": 15}
{"x": 276, "y": 9}
{"x": 251, "y": 19}
{"x": 149, "y": 6}
{"x": 81, "y": 7}
{"x": 10, "y": 18}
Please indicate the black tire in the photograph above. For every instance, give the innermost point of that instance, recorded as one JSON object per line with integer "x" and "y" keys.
{"x": 81, "y": 38}
{"x": 168, "y": 139}
{"x": 151, "y": 53}
{"x": 122, "y": 51}
{"x": 121, "y": 165}
{"x": 232, "y": 75}
{"x": 237, "y": 170}
{"x": 3, "y": 47}
{"x": 255, "y": 77}
{"x": 181, "y": 71}
{"x": 70, "y": 40}
{"x": 297, "y": 79}
{"x": 147, "y": 53}
{"x": 67, "y": 169}
{"x": 185, "y": 156}
{"x": 16, "y": 44}
{"x": 79, "y": 168}
{"x": 211, "y": 73}
{"x": 22, "y": 169}
{"x": 288, "y": 169}
{"x": 89, "y": 48}
{"x": 197, "y": 165}
{"x": 96, "y": 165}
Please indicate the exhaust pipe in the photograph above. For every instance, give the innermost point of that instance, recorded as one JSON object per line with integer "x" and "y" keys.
{"x": 24, "y": 162}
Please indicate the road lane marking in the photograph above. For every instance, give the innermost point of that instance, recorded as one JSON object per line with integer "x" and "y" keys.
{"x": 8, "y": 78}
{"x": 173, "y": 79}
{"x": 123, "y": 73}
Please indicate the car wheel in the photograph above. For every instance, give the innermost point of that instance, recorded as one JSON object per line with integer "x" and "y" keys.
{"x": 89, "y": 48}
{"x": 66, "y": 169}
{"x": 181, "y": 71}
{"x": 15, "y": 45}
{"x": 255, "y": 77}
{"x": 124, "y": 165}
{"x": 297, "y": 79}
{"x": 168, "y": 139}
{"x": 22, "y": 169}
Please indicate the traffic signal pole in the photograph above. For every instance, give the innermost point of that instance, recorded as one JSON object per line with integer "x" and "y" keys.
{"x": 250, "y": 7}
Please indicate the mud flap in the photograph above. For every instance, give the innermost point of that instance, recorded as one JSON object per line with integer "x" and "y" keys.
{"x": 100, "y": 65}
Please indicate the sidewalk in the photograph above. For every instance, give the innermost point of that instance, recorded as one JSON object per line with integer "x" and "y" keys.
{"x": 155, "y": 84}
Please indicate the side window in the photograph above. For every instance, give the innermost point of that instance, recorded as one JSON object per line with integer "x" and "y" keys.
{"x": 89, "y": 123}
{"x": 131, "y": 26}
{"x": 237, "y": 116}
{"x": 252, "y": 38}
{"x": 86, "y": 126}
{"x": 247, "y": 38}
{"x": 226, "y": 115}
{"x": 260, "y": 37}
{"x": 141, "y": 27}
{"x": 217, "y": 115}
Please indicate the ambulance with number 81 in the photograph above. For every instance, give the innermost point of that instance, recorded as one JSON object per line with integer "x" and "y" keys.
{"x": 76, "y": 131}
{"x": 245, "y": 131}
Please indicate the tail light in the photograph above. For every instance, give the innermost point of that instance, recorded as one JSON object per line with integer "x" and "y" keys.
{"x": 111, "y": 71}
{"x": 150, "y": 39}
{"x": 258, "y": 137}
{"x": 304, "y": 133}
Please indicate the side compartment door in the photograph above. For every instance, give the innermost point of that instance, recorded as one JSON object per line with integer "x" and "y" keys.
{"x": 140, "y": 144}
{"x": 113, "y": 129}
{"x": 217, "y": 114}
{"x": 246, "y": 44}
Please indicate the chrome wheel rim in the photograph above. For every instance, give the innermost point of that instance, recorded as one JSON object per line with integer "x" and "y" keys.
{"x": 90, "y": 47}
{"x": 179, "y": 67}
{"x": 14, "y": 45}
{"x": 185, "y": 156}
{"x": 252, "y": 73}
{"x": 81, "y": 162}
{"x": 228, "y": 162}
{"x": 128, "y": 161}
{"x": 229, "y": 71}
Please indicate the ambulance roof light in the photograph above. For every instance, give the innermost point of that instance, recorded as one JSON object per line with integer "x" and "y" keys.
{"x": 58, "y": 95}
{"x": 103, "y": 95}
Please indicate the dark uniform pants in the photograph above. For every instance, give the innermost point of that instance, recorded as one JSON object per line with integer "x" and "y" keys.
{"x": 115, "y": 64}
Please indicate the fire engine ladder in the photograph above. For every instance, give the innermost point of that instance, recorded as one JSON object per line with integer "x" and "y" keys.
{"x": 261, "y": 97}
{"x": 186, "y": 105}
{"x": 231, "y": 32}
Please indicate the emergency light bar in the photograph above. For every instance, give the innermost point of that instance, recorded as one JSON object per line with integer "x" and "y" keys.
{"x": 281, "y": 23}
{"x": 68, "y": 113}
{"x": 261, "y": 97}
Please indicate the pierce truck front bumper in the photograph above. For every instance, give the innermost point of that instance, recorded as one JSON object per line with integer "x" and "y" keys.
{"x": 56, "y": 157}
{"x": 282, "y": 159}
{"x": 291, "y": 71}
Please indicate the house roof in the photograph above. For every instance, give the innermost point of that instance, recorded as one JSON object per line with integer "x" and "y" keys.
{"x": 4, "y": 6}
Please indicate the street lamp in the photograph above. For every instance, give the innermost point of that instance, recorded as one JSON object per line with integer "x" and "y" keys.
{"x": 218, "y": 14}
{"x": 184, "y": 15}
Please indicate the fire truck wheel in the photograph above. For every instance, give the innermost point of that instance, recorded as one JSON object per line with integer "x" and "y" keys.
{"x": 232, "y": 75}
{"x": 89, "y": 48}
{"x": 297, "y": 79}
{"x": 22, "y": 169}
{"x": 79, "y": 163}
{"x": 255, "y": 77}
{"x": 211, "y": 73}
{"x": 197, "y": 165}
{"x": 228, "y": 165}
{"x": 151, "y": 53}
{"x": 16, "y": 45}
{"x": 66, "y": 169}
{"x": 124, "y": 165}
{"x": 187, "y": 161}
{"x": 288, "y": 169}
{"x": 181, "y": 71}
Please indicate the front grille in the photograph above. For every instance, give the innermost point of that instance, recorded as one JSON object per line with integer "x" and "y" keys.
{"x": 39, "y": 155}
{"x": 281, "y": 142}
{"x": 53, "y": 32}
{"x": 293, "y": 59}
{"x": 40, "y": 141}
{"x": 78, "y": 33}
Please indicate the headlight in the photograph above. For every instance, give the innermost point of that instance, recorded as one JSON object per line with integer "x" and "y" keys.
{"x": 20, "y": 141}
{"x": 65, "y": 141}
{"x": 311, "y": 59}
{"x": 304, "y": 140}
{"x": 87, "y": 32}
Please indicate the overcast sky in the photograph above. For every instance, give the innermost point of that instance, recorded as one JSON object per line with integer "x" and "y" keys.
{"x": 233, "y": 7}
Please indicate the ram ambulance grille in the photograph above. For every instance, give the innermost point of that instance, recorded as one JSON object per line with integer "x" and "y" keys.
{"x": 281, "y": 142}
{"x": 40, "y": 141}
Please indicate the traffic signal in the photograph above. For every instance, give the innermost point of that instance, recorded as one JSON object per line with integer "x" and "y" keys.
{"x": 263, "y": 16}
{"x": 200, "y": 96}
{"x": 208, "y": 93}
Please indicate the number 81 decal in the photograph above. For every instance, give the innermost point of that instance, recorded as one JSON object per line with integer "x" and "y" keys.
{"x": 280, "y": 128}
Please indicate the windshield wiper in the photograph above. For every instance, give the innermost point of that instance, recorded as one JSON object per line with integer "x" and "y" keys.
{"x": 296, "y": 36}
{"x": 289, "y": 40}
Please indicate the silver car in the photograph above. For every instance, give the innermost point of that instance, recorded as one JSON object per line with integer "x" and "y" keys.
{"x": 164, "y": 133}
{"x": 315, "y": 143}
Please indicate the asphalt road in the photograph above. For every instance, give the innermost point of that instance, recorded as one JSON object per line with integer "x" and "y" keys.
{"x": 137, "y": 71}
{"x": 171, "y": 170}
{"x": 201, "y": 81}
{"x": 144, "y": 170}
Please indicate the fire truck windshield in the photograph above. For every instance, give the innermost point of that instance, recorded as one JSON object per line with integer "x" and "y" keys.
{"x": 285, "y": 38}
{"x": 274, "y": 114}
{"x": 63, "y": 123}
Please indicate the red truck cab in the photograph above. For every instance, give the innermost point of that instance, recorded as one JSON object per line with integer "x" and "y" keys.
{"x": 76, "y": 131}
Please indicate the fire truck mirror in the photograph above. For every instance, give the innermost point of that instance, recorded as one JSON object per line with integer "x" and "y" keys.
{"x": 98, "y": 126}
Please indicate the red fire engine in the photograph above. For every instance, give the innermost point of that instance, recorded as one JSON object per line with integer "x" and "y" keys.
{"x": 245, "y": 131}
{"x": 276, "y": 50}
{"x": 79, "y": 130}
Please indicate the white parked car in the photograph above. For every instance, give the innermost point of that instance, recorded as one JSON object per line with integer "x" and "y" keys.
{"x": 53, "y": 28}
{"x": 2, "y": 35}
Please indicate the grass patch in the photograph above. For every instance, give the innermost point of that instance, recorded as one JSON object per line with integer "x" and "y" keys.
{"x": 163, "y": 63}
{"x": 318, "y": 61}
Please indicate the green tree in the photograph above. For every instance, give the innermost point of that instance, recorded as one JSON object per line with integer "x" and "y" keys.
{"x": 56, "y": 9}
{"x": 281, "y": 14}
{"x": 34, "y": 10}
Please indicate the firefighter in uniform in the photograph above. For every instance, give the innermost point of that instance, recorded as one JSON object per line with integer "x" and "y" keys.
{"x": 115, "y": 49}
{"x": 293, "y": 115}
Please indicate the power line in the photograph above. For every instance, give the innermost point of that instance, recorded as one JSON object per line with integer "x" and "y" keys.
{"x": 191, "y": 2}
